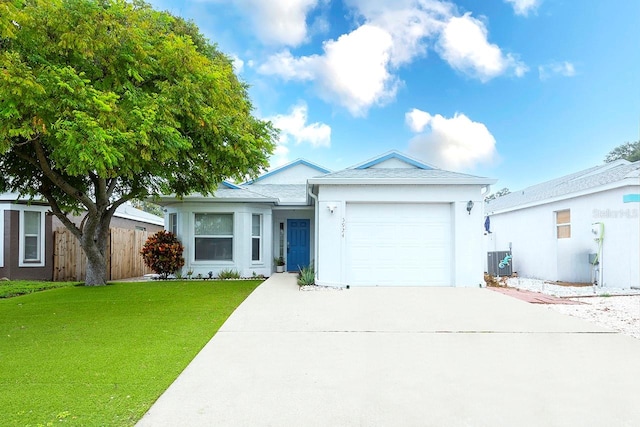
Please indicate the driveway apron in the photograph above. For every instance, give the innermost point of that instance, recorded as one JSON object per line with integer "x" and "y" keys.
{"x": 403, "y": 357}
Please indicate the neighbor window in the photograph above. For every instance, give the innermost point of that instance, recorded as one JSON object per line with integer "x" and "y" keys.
{"x": 31, "y": 236}
{"x": 563, "y": 224}
{"x": 256, "y": 237}
{"x": 213, "y": 237}
{"x": 173, "y": 223}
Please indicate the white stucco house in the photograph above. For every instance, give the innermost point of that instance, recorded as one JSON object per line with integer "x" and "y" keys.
{"x": 390, "y": 221}
{"x": 553, "y": 227}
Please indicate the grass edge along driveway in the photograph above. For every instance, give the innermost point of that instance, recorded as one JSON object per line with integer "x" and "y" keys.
{"x": 103, "y": 355}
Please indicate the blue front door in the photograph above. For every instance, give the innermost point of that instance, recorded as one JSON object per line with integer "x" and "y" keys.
{"x": 297, "y": 244}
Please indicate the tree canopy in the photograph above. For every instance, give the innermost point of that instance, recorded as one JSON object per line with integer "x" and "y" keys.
{"x": 629, "y": 151}
{"x": 104, "y": 101}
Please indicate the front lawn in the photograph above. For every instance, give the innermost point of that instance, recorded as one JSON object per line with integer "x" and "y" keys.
{"x": 96, "y": 356}
{"x": 14, "y": 288}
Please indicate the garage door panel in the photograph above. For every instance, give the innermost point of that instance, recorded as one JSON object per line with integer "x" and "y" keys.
{"x": 398, "y": 244}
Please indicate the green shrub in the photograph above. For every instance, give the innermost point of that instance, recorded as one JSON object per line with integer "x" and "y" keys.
{"x": 162, "y": 253}
{"x": 228, "y": 274}
{"x": 307, "y": 276}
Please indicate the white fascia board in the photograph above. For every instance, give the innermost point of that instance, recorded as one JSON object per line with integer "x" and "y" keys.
{"x": 298, "y": 207}
{"x": 401, "y": 181}
{"x": 593, "y": 190}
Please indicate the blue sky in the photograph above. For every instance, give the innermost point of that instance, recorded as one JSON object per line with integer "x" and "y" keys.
{"x": 518, "y": 90}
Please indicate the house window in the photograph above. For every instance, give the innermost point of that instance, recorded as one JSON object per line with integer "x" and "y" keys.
{"x": 563, "y": 224}
{"x": 173, "y": 223}
{"x": 31, "y": 237}
{"x": 213, "y": 237}
{"x": 140, "y": 228}
{"x": 256, "y": 237}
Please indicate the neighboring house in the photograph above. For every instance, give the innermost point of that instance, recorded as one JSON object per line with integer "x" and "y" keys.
{"x": 26, "y": 244}
{"x": 126, "y": 217}
{"x": 552, "y": 227}
{"x": 391, "y": 221}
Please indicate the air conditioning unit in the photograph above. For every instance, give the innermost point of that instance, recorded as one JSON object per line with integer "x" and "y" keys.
{"x": 500, "y": 263}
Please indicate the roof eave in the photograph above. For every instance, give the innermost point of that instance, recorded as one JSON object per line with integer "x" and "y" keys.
{"x": 627, "y": 182}
{"x": 401, "y": 181}
{"x": 167, "y": 201}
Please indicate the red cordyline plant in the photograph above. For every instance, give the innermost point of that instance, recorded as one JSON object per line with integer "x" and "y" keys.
{"x": 162, "y": 253}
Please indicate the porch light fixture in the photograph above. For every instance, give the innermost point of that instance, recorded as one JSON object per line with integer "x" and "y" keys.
{"x": 469, "y": 206}
{"x": 331, "y": 208}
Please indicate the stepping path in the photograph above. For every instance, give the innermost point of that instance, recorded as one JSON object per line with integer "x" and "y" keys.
{"x": 532, "y": 297}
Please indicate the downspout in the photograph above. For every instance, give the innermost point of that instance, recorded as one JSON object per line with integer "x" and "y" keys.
{"x": 315, "y": 231}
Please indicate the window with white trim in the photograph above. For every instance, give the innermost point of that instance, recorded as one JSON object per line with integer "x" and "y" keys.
{"x": 563, "y": 224}
{"x": 173, "y": 224}
{"x": 256, "y": 237}
{"x": 213, "y": 237}
{"x": 31, "y": 237}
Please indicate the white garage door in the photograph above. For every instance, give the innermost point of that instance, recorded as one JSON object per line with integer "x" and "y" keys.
{"x": 398, "y": 244}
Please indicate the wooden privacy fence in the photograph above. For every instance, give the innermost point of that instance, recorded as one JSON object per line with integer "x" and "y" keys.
{"x": 124, "y": 259}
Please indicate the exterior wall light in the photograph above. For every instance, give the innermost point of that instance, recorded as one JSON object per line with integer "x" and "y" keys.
{"x": 331, "y": 208}
{"x": 469, "y": 206}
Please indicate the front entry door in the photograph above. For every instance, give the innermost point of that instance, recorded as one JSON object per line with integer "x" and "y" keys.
{"x": 297, "y": 244}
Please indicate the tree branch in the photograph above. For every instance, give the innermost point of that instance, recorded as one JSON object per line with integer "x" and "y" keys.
{"x": 111, "y": 186}
{"x": 55, "y": 208}
{"x": 59, "y": 181}
{"x": 112, "y": 209}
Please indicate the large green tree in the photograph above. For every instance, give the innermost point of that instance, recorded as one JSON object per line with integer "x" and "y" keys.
{"x": 104, "y": 101}
{"x": 629, "y": 151}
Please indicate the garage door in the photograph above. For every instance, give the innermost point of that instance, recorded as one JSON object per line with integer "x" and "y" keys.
{"x": 398, "y": 244}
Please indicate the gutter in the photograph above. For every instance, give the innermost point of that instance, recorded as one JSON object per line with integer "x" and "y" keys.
{"x": 315, "y": 231}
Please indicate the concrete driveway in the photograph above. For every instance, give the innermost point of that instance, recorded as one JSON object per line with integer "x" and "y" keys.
{"x": 403, "y": 357}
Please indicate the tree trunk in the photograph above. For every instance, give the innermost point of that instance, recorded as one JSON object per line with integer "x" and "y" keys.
{"x": 95, "y": 249}
{"x": 96, "y": 271}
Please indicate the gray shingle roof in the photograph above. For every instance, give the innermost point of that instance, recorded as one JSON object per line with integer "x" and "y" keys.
{"x": 240, "y": 193}
{"x": 396, "y": 173}
{"x": 295, "y": 193}
{"x": 585, "y": 180}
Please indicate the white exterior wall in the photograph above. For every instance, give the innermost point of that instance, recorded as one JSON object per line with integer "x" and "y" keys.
{"x": 297, "y": 174}
{"x": 467, "y": 245}
{"x": 538, "y": 253}
{"x": 241, "y": 262}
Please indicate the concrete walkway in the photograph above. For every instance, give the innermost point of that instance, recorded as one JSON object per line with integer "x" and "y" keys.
{"x": 403, "y": 357}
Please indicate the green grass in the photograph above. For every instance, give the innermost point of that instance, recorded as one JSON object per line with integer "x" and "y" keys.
{"x": 100, "y": 356}
{"x": 21, "y": 287}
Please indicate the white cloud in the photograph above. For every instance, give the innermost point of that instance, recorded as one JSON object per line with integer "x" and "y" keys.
{"x": 463, "y": 44}
{"x": 523, "y": 7}
{"x": 456, "y": 143}
{"x": 417, "y": 120}
{"x": 293, "y": 127}
{"x": 278, "y": 22}
{"x": 352, "y": 70}
{"x": 238, "y": 64}
{"x": 288, "y": 67}
{"x": 359, "y": 69}
{"x": 564, "y": 69}
{"x": 280, "y": 156}
{"x": 410, "y": 23}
